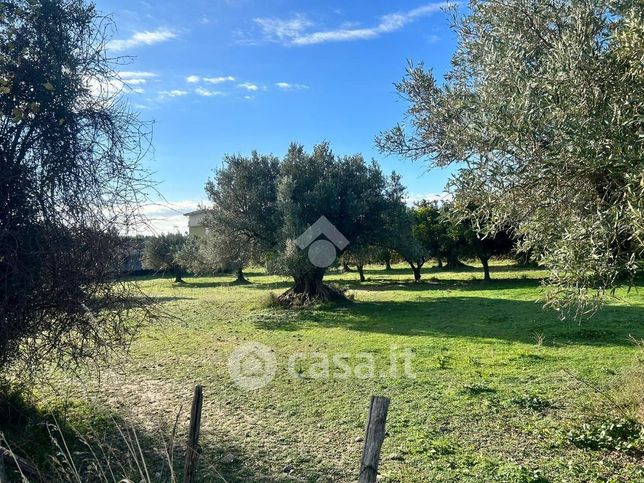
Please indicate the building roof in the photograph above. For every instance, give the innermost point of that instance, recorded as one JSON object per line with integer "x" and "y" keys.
{"x": 196, "y": 212}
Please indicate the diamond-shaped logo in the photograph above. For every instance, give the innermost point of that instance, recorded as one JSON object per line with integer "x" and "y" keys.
{"x": 322, "y": 252}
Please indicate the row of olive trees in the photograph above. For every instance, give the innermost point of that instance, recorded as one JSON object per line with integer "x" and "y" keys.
{"x": 430, "y": 230}
{"x": 177, "y": 254}
{"x": 422, "y": 232}
{"x": 260, "y": 205}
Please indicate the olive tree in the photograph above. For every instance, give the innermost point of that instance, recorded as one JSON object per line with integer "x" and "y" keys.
{"x": 243, "y": 200}
{"x": 166, "y": 252}
{"x": 70, "y": 181}
{"x": 384, "y": 256}
{"x": 242, "y": 218}
{"x": 359, "y": 256}
{"x": 271, "y": 203}
{"x": 439, "y": 233}
{"x": 218, "y": 251}
{"x": 485, "y": 246}
{"x": 369, "y": 254}
{"x": 403, "y": 240}
{"x": 425, "y": 231}
{"x": 355, "y": 196}
{"x": 542, "y": 111}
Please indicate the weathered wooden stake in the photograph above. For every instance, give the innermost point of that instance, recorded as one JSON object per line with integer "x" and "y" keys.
{"x": 192, "y": 450}
{"x": 373, "y": 438}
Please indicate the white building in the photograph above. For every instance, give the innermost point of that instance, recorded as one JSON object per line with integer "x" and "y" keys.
{"x": 195, "y": 222}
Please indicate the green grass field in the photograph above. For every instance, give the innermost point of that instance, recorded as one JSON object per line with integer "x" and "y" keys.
{"x": 498, "y": 381}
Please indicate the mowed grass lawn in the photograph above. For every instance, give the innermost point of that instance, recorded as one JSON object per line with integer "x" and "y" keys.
{"x": 499, "y": 381}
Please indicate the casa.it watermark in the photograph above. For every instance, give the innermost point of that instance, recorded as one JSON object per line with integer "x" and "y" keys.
{"x": 254, "y": 365}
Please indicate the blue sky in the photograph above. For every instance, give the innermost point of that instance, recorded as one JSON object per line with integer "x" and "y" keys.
{"x": 226, "y": 76}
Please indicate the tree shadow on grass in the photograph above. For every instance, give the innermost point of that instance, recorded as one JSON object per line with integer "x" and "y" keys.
{"x": 470, "y": 318}
{"x": 196, "y": 284}
{"x": 210, "y": 284}
{"x": 382, "y": 284}
{"x": 229, "y": 282}
{"x": 379, "y": 284}
{"x": 284, "y": 285}
{"x": 434, "y": 270}
{"x": 150, "y": 301}
{"x": 144, "y": 301}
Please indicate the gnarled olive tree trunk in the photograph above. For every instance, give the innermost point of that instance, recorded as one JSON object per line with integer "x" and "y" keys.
{"x": 241, "y": 279}
{"x": 309, "y": 288}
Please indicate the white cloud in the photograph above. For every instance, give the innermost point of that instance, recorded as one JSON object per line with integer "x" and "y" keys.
{"x": 412, "y": 198}
{"x": 195, "y": 79}
{"x": 131, "y": 78}
{"x": 295, "y": 31}
{"x": 104, "y": 90}
{"x": 207, "y": 92}
{"x": 219, "y": 80}
{"x": 124, "y": 82}
{"x": 173, "y": 93}
{"x": 287, "y": 86}
{"x": 279, "y": 29}
{"x": 127, "y": 74}
{"x": 141, "y": 38}
{"x": 249, "y": 86}
{"x": 167, "y": 217}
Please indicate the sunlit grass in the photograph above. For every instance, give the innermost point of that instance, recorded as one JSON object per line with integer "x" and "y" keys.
{"x": 498, "y": 379}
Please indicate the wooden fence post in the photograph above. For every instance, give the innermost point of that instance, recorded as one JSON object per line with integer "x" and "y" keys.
{"x": 192, "y": 449}
{"x": 374, "y": 436}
